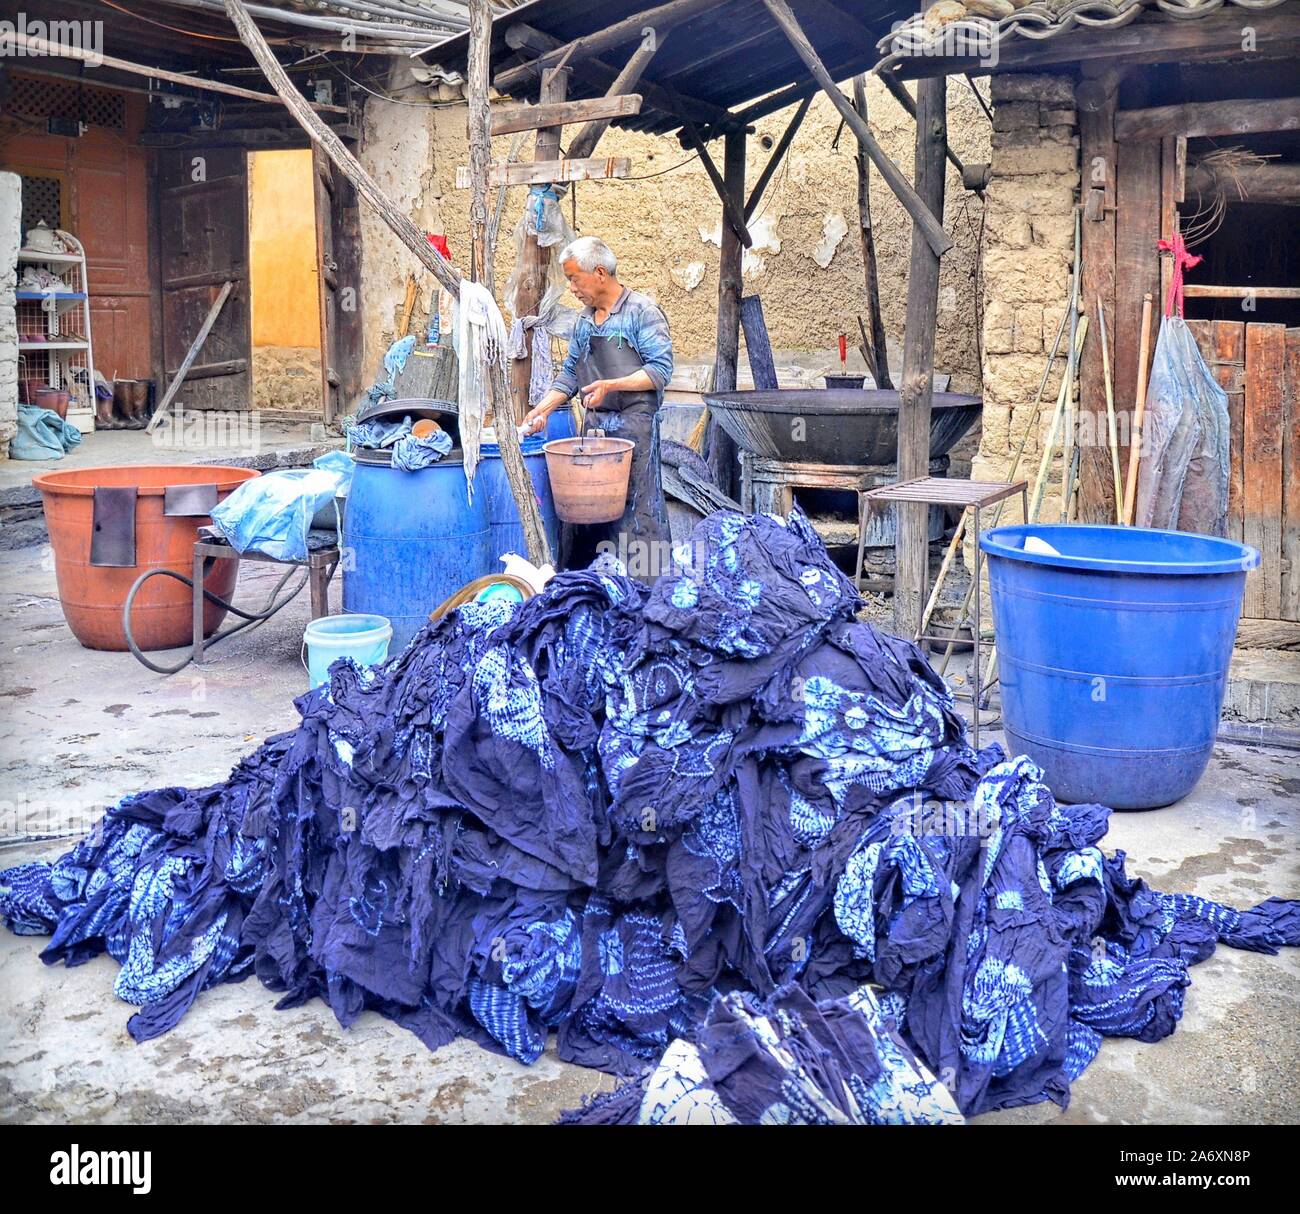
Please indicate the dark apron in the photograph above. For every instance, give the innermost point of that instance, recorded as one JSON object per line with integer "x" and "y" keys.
{"x": 640, "y": 538}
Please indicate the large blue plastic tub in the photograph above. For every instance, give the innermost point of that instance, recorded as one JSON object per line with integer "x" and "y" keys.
{"x": 503, "y": 514}
{"x": 411, "y": 539}
{"x": 1113, "y": 655}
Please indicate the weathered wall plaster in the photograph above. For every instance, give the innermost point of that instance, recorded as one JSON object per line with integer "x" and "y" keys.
{"x": 10, "y": 241}
{"x": 665, "y": 228}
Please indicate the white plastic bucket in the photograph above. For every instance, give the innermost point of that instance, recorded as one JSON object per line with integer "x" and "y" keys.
{"x": 363, "y": 638}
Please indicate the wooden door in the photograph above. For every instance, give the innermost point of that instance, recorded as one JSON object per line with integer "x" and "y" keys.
{"x": 338, "y": 248}
{"x": 203, "y": 239}
{"x": 1259, "y": 368}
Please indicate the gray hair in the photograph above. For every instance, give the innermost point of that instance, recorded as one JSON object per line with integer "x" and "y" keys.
{"x": 589, "y": 252}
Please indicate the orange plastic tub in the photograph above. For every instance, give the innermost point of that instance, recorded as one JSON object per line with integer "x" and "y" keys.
{"x": 92, "y": 596}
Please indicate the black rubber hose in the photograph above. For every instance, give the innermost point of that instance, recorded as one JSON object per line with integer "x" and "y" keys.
{"x": 250, "y": 619}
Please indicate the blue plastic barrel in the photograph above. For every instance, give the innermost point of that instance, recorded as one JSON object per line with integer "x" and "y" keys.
{"x": 560, "y": 424}
{"x": 503, "y": 514}
{"x": 411, "y": 539}
{"x": 1113, "y": 655}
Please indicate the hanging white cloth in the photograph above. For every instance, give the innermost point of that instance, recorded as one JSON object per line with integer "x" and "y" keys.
{"x": 481, "y": 343}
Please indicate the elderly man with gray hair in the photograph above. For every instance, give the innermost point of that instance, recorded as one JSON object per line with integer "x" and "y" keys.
{"x": 620, "y": 357}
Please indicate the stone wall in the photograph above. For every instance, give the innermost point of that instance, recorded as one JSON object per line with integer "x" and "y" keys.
{"x": 806, "y": 262}
{"x": 1028, "y": 258}
{"x": 10, "y": 241}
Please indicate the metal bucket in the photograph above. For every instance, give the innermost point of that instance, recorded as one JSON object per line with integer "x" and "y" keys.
{"x": 589, "y": 477}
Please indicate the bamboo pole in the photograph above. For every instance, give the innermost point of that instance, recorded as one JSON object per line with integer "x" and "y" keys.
{"x": 1111, "y": 432}
{"x": 1139, "y": 407}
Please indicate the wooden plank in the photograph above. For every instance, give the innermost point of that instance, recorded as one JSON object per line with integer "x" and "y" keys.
{"x": 757, "y": 343}
{"x": 1262, "y": 458}
{"x": 1223, "y": 346}
{"x": 541, "y": 172}
{"x": 1168, "y": 212}
{"x": 1291, "y": 479}
{"x": 1209, "y": 291}
{"x": 190, "y": 355}
{"x": 508, "y": 119}
{"x": 1137, "y": 266}
{"x": 1096, "y": 109}
{"x": 1194, "y": 119}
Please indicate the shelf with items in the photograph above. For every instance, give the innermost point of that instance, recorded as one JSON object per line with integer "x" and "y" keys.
{"x": 53, "y": 312}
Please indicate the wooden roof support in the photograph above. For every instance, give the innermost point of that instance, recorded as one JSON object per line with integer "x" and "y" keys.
{"x": 733, "y": 210}
{"x": 719, "y": 448}
{"x": 584, "y": 143}
{"x": 938, "y": 240}
{"x": 900, "y": 94}
{"x": 916, "y": 389}
{"x": 778, "y": 154}
{"x": 599, "y": 73}
{"x": 1251, "y": 116}
{"x": 39, "y": 46}
{"x": 595, "y": 44}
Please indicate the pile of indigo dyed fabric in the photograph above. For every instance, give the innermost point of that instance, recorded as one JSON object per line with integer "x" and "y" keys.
{"x": 631, "y": 816}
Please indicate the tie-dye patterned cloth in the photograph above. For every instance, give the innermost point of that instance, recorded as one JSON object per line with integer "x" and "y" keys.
{"x": 603, "y": 810}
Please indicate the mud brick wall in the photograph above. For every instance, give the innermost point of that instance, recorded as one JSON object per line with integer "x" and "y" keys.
{"x": 1028, "y": 257}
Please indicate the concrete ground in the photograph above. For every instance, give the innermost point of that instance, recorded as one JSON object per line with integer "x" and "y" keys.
{"x": 78, "y": 729}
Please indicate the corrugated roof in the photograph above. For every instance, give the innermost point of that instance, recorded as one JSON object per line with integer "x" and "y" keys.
{"x": 726, "y": 56}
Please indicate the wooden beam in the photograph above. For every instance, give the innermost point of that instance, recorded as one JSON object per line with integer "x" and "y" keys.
{"x": 508, "y": 119}
{"x": 1216, "y": 35}
{"x": 733, "y": 211}
{"x": 585, "y": 141}
{"x": 1209, "y": 291}
{"x": 1095, "y": 99}
{"x": 503, "y": 416}
{"x": 879, "y": 349}
{"x": 538, "y": 172}
{"x": 595, "y": 44}
{"x": 1276, "y": 183}
{"x": 916, "y": 391}
{"x": 39, "y": 46}
{"x": 899, "y": 93}
{"x": 600, "y": 74}
{"x": 778, "y": 154}
{"x": 938, "y": 240}
{"x": 1193, "y": 119}
{"x": 536, "y": 260}
{"x": 719, "y": 448}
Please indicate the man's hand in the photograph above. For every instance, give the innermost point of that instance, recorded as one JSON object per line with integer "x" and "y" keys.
{"x": 593, "y": 395}
{"x": 535, "y": 418}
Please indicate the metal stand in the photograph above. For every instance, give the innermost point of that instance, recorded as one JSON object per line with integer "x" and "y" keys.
{"x": 210, "y": 548}
{"x": 767, "y": 486}
{"x": 969, "y": 495}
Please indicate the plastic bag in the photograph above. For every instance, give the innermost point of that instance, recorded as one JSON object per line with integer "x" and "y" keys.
{"x": 1183, "y": 474}
{"x": 273, "y": 513}
{"x": 42, "y": 434}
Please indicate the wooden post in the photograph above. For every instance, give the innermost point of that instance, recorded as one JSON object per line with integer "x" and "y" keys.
{"x": 720, "y": 449}
{"x": 584, "y": 143}
{"x": 878, "y": 349}
{"x": 537, "y": 260}
{"x": 480, "y": 152}
{"x": 1095, "y": 100}
{"x": 912, "y": 544}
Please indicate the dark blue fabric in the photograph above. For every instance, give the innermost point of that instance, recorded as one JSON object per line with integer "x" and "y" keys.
{"x": 599, "y": 810}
